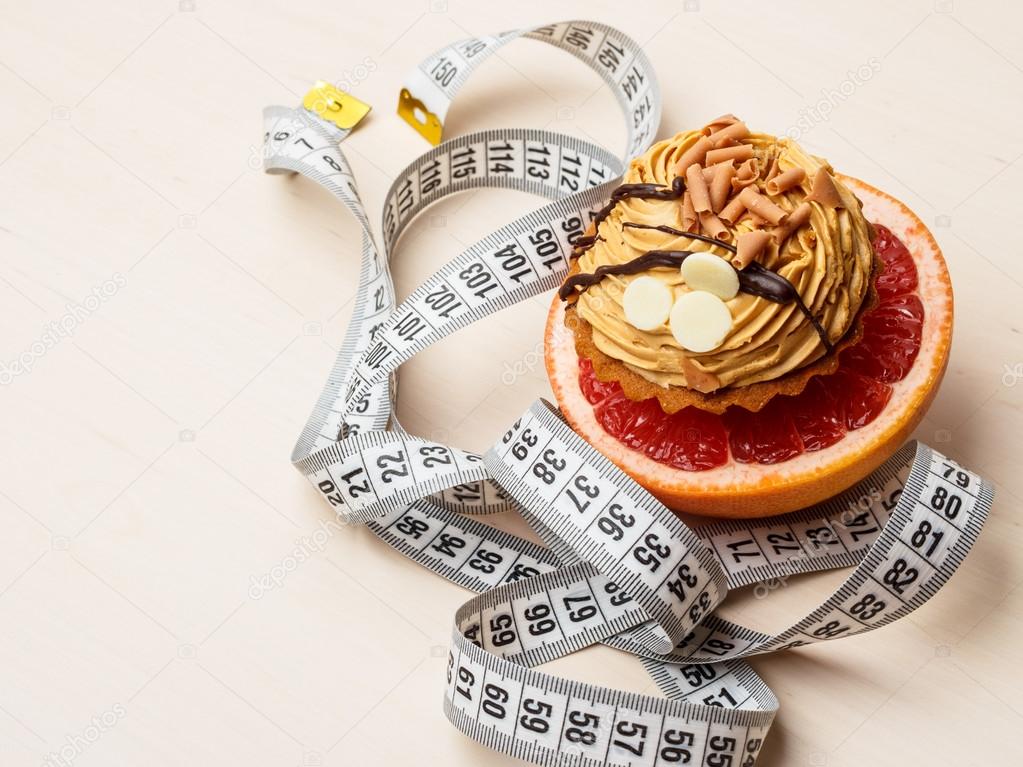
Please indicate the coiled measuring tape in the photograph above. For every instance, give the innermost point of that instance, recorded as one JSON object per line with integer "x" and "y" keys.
{"x": 618, "y": 567}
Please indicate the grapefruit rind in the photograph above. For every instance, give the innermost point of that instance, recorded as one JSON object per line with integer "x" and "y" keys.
{"x": 748, "y": 490}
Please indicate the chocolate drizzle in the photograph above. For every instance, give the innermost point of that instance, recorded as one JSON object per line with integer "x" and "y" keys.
{"x": 679, "y": 233}
{"x": 624, "y": 192}
{"x": 649, "y": 260}
{"x": 758, "y": 280}
{"x": 755, "y": 279}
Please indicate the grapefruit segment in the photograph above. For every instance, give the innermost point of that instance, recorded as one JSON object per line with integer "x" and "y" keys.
{"x": 820, "y": 418}
{"x": 767, "y": 436}
{"x": 691, "y": 440}
{"x": 798, "y": 449}
{"x": 891, "y": 340}
{"x": 632, "y": 423}
{"x": 899, "y": 274}
{"x": 595, "y": 391}
{"x": 863, "y": 398}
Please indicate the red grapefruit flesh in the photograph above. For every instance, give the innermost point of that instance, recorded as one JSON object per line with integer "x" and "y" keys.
{"x": 800, "y": 449}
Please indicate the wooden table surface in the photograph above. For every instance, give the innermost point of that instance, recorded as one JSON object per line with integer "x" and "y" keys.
{"x": 178, "y": 310}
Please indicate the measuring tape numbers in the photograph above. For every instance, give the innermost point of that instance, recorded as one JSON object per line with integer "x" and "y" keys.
{"x": 616, "y": 566}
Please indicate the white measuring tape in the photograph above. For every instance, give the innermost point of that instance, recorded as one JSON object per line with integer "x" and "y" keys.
{"x": 618, "y": 567}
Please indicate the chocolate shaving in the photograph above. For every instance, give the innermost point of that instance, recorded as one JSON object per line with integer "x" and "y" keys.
{"x": 733, "y": 211}
{"x": 760, "y": 206}
{"x": 785, "y": 181}
{"x": 698, "y": 188}
{"x": 796, "y": 219}
{"x": 749, "y": 247}
{"x": 733, "y": 132}
{"x": 746, "y": 174}
{"x": 739, "y": 153}
{"x": 711, "y": 224}
{"x": 693, "y": 155}
{"x": 689, "y": 217}
{"x": 721, "y": 184}
{"x": 718, "y": 123}
{"x": 697, "y": 378}
{"x": 824, "y": 191}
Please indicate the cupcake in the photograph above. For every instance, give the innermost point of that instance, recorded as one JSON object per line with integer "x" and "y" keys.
{"x": 739, "y": 330}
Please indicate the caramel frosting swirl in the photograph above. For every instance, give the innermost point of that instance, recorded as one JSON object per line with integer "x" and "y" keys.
{"x": 829, "y": 262}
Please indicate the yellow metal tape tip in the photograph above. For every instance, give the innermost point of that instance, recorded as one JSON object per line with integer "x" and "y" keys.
{"x": 415, "y": 113}
{"x": 334, "y": 105}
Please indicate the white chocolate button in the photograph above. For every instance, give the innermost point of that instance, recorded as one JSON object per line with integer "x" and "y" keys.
{"x": 700, "y": 321}
{"x": 705, "y": 271}
{"x": 646, "y": 302}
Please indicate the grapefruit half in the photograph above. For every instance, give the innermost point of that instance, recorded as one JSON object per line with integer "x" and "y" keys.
{"x": 798, "y": 450}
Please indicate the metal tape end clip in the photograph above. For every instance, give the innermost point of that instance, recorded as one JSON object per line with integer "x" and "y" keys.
{"x": 410, "y": 108}
{"x": 335, "y": 106}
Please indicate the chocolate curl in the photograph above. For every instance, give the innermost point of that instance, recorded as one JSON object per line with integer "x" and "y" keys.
{"x": 693, "y": 155}
{"x": 698, "y": 187}
{"x": 772, "y": 169}
{"x": 733, "y": 211}
{"x": 732, "y": 132}
{"x": 759, "y": 205}
{"x": 713, "y": 226}
{"x": 690, "y": 220}
{"x": 824, "y": 190}
{"x": 721, "y": 185}
{"x": 718, "y": 123}
{"x": 747, "y": 174}
{"x": 749, "y": 247}
{"x": 785, "y": 181}
{"x": 708, "y": 175}
{"x": 738, "y": 153}
{"x": 697, "y": 378}
{"x": 796, "y": 219}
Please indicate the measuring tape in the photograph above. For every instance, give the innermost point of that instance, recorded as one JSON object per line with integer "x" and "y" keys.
{"x": 617, "y": 566}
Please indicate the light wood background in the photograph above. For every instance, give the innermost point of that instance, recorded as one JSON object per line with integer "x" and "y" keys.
{"x": 144, "y": 471}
